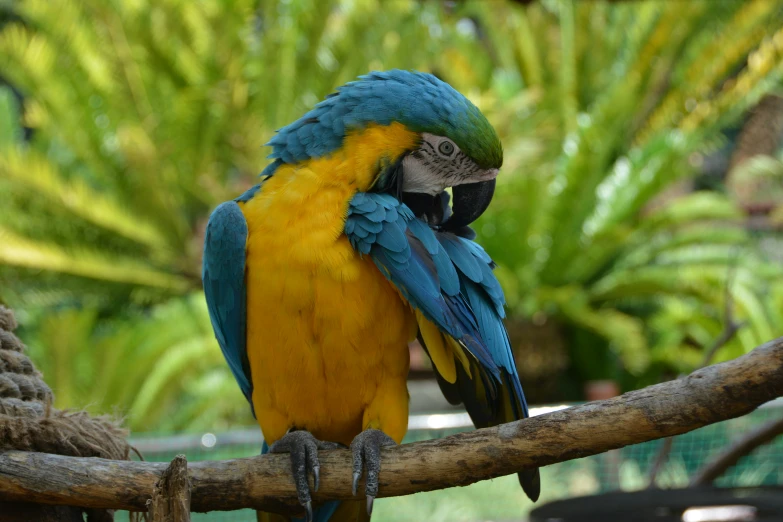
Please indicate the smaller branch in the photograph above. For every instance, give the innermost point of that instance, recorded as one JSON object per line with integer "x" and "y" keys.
{"x": 731, "y": 455}
{"x": 725, "y": 336}
{"x": 731, "y": 326}
{"x": 170, "y": 500}
{"x": 660, "y": 460}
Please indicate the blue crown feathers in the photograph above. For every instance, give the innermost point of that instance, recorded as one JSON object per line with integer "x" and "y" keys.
{"x": 420, "y": 101}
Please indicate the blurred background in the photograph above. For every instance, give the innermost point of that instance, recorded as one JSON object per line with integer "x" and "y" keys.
{"x": 636, "y": 226}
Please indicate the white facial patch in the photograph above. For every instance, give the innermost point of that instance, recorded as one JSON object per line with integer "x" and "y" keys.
{"x": 419, "y": 177}
{"x": 433, "y": 167}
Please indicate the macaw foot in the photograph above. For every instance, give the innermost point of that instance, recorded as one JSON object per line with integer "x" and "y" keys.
{"x": 303, "y": 448}
{"x": 366, "y": 450}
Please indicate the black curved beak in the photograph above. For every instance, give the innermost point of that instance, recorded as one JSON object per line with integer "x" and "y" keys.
{"x": 470, "y": 201}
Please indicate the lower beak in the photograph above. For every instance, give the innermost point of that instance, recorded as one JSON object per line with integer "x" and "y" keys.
{"x": 470, "y": 201}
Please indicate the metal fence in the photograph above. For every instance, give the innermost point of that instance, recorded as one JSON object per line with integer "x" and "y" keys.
{"x": 502, "y": 499}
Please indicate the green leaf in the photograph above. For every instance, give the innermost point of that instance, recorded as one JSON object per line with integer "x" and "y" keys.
{"x": 87, "y": 263}
{"x": 10, "y": 128}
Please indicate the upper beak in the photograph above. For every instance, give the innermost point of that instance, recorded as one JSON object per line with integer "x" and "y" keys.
{"x": 470, "y": 201}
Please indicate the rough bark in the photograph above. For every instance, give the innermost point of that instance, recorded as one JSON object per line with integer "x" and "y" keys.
{"x": 170, "y": 500}
{"x": 709, "y": 395}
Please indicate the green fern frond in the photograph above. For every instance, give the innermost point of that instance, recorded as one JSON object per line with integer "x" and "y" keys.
{"x": 707, "y": 65}
{"x": 33, "y": 173}
{"x": 10, "y": 128}
{"x": 624, "y": 332}
{"x": 691, "y": 208}
{"x": 19, "y": 252}
{"x": 170, "y": 369}
{"x": 104, "y": 364}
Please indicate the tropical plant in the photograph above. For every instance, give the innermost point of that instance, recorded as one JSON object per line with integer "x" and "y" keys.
{"x": 148, "y": 114}
{"x": 603, "y": 107}
{"x": 144, "y": 115}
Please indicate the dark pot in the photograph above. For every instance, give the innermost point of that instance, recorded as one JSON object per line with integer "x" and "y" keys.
{"x": 763, "y": 504}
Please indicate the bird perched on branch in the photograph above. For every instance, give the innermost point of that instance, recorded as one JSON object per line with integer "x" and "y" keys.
{"x": 318, "y": 277}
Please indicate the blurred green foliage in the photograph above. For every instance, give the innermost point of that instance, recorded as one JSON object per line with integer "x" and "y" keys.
{"x": 615, "y": 104}
{"x": 145, "y": 115}
{"x": 159, "y": 369}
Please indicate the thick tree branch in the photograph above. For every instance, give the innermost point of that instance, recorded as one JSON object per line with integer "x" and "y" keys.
{"x": 709, "y": 395}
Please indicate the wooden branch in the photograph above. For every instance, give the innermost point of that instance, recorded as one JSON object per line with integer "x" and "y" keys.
{"x": 170, "y": 500}
{"x": 709, "y": 395}
{"x": 731, "y": 455}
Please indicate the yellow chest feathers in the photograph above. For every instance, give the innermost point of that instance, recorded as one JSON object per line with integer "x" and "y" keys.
{"x": 327, "y": 333}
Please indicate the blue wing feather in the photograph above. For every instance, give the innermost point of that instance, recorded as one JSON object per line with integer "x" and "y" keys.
{"x": 496, "y": 338}
{"x": 223, "y": 276}
{"x": 450, "y": 280}
{"x": 429, "y": 282}
{"x": 461, "y": 255}
{"x": 485, "y": 296}
{"x": 466, "y": 306}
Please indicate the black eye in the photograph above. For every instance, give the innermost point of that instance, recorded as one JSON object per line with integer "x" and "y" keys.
{"x": 446, "y": 148}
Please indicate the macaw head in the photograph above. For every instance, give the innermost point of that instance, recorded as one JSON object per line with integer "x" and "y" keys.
{"x": 455, "y": 147}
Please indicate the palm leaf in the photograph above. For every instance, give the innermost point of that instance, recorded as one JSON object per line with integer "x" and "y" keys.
{"x": 89, "y": 263}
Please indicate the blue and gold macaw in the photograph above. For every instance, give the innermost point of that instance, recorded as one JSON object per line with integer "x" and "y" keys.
{"x": 318, "y": 277}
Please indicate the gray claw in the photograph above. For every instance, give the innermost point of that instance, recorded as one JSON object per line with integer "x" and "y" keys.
{"x": 356, "y": 476}
{"x": 366, "y": 450}
{"x": 303, "y": 448}
{"x": 308, "y": 511}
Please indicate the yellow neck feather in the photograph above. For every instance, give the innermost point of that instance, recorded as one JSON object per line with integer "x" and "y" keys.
{"x": 363, "y": 152}
{"x": 300, "y": 212}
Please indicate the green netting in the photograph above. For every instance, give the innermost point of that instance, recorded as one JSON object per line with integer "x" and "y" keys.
{"x": 502, "y": 499}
